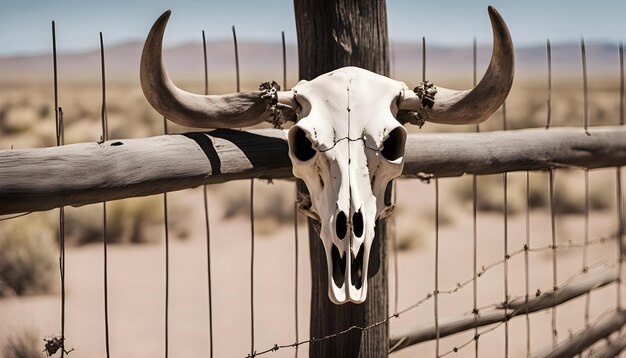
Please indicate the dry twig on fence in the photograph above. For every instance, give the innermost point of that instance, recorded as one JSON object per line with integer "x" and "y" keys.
{"x": 517, "y": 306}
{"x": 586, "y": 337}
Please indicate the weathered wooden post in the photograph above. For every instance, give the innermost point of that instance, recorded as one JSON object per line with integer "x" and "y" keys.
{"x": 334, "y": 34}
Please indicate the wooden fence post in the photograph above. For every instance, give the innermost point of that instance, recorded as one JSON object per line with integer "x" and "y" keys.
{"x": 334, "y": 34}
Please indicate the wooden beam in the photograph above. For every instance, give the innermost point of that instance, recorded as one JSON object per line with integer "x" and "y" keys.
{"x": 516, "y": 307}
{"x": 333, "y": 34}
{"x": 79, "y": 174}
{"x": 585, "y": 338}
{"x": 447, "y": 155}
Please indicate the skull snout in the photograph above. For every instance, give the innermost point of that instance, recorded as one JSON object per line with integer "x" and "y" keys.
{"x": 347, "y": 256}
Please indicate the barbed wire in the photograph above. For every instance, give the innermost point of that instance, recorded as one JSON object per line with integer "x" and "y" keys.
{"x": 568, "y": 245}
{"x": 515, "y": 312}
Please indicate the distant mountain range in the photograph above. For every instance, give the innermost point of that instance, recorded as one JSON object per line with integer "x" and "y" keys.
{"x": 263, "y": 61}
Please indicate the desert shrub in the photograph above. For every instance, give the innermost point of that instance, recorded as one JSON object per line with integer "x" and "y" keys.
{"x": 19, "y": 119}
{"x": 272, "y": 202}
{"x": 447, "y": 215}
{"x": 28, "y": 256}
{"x": 569, "y": 193}
{"x": 490, "y": 189}
{"x": 408, "y": 237}
{"x": 128, "y": 221}
{"x": 23, "y": 344}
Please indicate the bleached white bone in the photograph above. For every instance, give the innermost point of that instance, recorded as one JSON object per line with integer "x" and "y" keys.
{"x": 348, "y": 142}
{"x": 346, "y": 118}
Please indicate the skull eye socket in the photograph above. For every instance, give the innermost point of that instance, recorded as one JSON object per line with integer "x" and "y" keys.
{"x": 301, "y": 146}
{"x": 393, "y": 146}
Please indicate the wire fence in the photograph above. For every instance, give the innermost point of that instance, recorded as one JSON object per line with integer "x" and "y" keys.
{"x": 478, "y": 271}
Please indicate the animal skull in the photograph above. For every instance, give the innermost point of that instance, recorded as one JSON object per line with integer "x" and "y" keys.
{"x": 347, "y": 145}
{"x": 347, "y": 142}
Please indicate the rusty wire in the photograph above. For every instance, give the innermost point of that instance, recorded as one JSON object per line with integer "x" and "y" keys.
{"x": 620, "y": 198}
{"x": 456, "y": 349}
{"x": 436, "y": 292}
{"x": 475, "y": 218}
{"x": 104, "y": 138}
{"x": 58, "y": 114}
{"x": 430, "y": 295}
{"x": 583, "y": 54}
{"x": 526, "y": 265}
{"x": 167, "y": 260}
{"x": 554, "y": 260}
{"x": 506, "y": 244}
{"x": 295, "y": 210}
{"x": 549, "y": 73}
{"x": 206, "y": 214}
{"x": 526, "y": 250}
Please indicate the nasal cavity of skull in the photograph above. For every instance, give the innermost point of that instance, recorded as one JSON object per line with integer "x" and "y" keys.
{"x": 339, "y": 266}
{"x": 357, "y": 223}
{"x": 341, "y": 225}
{"x": 301, "y": 146}
{"x": 356, "y": 272}
{"x": 393, "y": 146}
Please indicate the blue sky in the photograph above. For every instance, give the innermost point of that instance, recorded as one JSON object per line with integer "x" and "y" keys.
{"x": 25, "y": 24}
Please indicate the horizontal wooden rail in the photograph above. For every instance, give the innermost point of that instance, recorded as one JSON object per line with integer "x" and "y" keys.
{"x": 86, "y": 173}
{"x": 516, "y": 307}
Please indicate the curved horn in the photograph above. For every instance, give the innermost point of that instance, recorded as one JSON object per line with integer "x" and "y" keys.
{"x": 192, "y": 110}
{"x": 477, "y": 104}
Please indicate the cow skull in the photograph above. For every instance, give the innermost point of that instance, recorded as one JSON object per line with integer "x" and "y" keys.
{"x": 348, "y": 140}
{"x": 346, "y": 146}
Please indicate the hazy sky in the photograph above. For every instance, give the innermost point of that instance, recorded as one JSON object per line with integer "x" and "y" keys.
{"x": 25, "y": 24}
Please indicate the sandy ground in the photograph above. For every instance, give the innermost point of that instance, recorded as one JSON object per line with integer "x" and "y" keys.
{"x": 136, "y": 285}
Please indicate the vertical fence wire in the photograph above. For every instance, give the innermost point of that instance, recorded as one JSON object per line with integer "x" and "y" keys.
{"x": 436, "y": 291}
{"x": 554, "y": 253}
{"x": 620, "y": 201}
{"x": 423, "y": 59}
{"x": 583, "y": 54}
{"x": 549, "y": 101}
{"x": 506, "y": 246}
{"x": 394, "y": 238}
{"x": 295, "y": 239}
{"x": 206, "y": 214}
{"x": 167, "y": 260}
{"x": 436, "y": 295}
{"x": 621, "y": 83}
{"x": 252, "y": 352}
{"x": 105, "y": 137}
{"x": 474, "y": 224}
{"x": 295, "y": 209}
{"x": 586, "y": 244}
{"x": 396, "y": 272}
{"x": 238, "y": 88}
{"x": 551, "y": 174}
{"x": 526, "y": 266}
{"x": 58, "y": 117}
